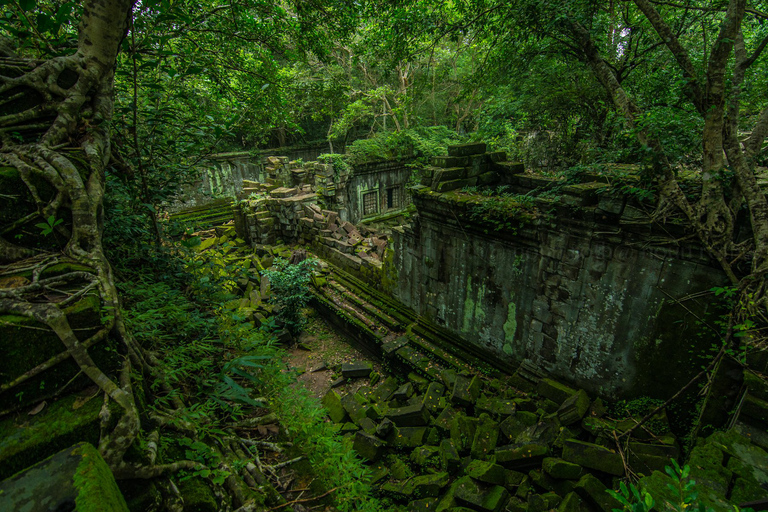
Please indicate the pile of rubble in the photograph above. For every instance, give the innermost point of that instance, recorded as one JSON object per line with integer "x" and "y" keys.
{"x": 466, "y": 443}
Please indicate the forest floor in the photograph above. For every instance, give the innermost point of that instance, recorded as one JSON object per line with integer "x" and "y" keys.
{"x": 321, "y": 348}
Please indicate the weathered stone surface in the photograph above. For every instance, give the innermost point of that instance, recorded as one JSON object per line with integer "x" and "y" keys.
{"x": 558, "y": 468}
{"x": 571, "y": 503}
{"x": 459, "y": 150}
{"x": 555, "y": 391}
{"x": 542, "y": 502}
{"x": 445, "y": 418}
{"x": 354, "y": 409}
{"x": 486, "y": 434}
{"x": 384, "y": 428}
{"x": 407, "y": 437}
{"x": 592, "y": 490}
{"x": 449, "y": 456}
{"x": 403, "y": 392}
{"x": 513, "y": 426}
{"x": 355, "y": 370}
{"x": 480, "y": 497}
{"x": 76, "y": 476}
{"x": 428, "y": 486}
{"x": 593, "y": 456}
{"x": 466, "y": 390}
{"x": 521, "y": 455}
{"x": 487, "y": 472}
{"x": 542, "y": 480}
{"x": 574, "y": 408}
{"x": 498, "y": 408}
{"x": 424, "y": 505}
{"x": 432, "y": 396}
{"x": 425, "y": 455}
{"x": 383, "y": 391}
{"x": 369, "y": 447}
{"x": 409, "y": 416}
{"x": 463, "y": 430}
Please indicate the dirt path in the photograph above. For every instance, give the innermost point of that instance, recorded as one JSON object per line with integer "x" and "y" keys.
{"x": 320, "y": 345}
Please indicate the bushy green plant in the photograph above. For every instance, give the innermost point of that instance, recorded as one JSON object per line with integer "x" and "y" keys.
{"x": 289, "y": 284}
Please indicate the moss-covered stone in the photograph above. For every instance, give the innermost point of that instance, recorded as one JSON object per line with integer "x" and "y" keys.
{"x": 425, "y": 456}
{"x": 25, "y": 440}
{"x": 76, "y": 477}
{"x": 332, "y": 402}
{"x": 554, "y": 390}
{"x": 592, "y": 490}
{"x": 486, "y": 435}
{"x": 558, "y": 468}
{"x": 480, "y": 497}
{"x": 487, "y": 472}
{"x": 593, "y": 456}
{"x": 521, "y": 455}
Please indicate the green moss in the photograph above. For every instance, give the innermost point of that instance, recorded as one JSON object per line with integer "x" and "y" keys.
{"x": 198, "y": 497}
{"x": 95, "y": 484}
{"x": 25, "y": 440}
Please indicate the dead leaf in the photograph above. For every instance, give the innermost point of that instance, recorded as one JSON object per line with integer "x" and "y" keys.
{"x": 39, "y": 407}
{"x": 13, "y": 282}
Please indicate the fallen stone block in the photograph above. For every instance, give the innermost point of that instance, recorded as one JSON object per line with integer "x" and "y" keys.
{"x": 425, "y": 455}
{"x": 424, "y": 505}
{"x": 543, "y": 481}
{"x": 487, "y": 472}
{"x": 368, "y": 446}
{"x": 76, "y": 476}
{"x": 407, "y": 437}
{"x": 426, "y": 485}
{"x": 559, "y": 468}
{"x": 574, "y": 408}
{"x": 403, "y": 393}
{"x": 521, "y": 456}
{"x": 475, "y": 148}
{"x": 449, "y": 456}
{"x": 542, "y": 502}
{"x": 486, "y": 435}
{"x": 409, "y": 416}
{"x": 466, "y": 391}
{"x": 490, "y": 498}
{"x": 571, "y": 503}
{"x": 593, "y": 456}
{"x": 554, "y": 390}
{"x": 332, "y": 402}
{"x": 431, "y": 399}
{"x": 463, "y": 430}
{"x": 355, "y": 370}
{"x": 384, "y": 390}
{"x": 592, "y": 491}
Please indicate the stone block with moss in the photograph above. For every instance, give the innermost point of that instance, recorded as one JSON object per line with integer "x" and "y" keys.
{"x": 25, "y": 440}
{"x": 76, "y": 478}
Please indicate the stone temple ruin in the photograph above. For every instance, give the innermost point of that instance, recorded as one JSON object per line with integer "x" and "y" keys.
{"x": 567, "y": 296}
{"x": 513, "y": 307}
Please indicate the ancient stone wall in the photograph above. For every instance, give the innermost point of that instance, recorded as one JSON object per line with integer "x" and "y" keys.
{"x": 578, "y": 285}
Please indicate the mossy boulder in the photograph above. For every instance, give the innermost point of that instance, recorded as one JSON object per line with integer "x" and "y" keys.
{"x": 76, "y": 478}
{"x": 27, "y": 439}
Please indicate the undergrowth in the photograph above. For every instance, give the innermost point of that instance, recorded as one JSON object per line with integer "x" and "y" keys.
{"x": 223, "y": 367}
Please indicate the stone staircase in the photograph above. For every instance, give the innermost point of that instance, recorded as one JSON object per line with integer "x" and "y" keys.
{"x": 388, "y": 330}
{"x": 207, "y": 216}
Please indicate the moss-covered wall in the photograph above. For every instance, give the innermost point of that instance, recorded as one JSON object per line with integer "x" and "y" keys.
{"x": 378, "y": 178}
{"x": 583, "y": 292}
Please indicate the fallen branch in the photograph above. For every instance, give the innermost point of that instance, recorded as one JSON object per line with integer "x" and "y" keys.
{"x": 313, "y": 498}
